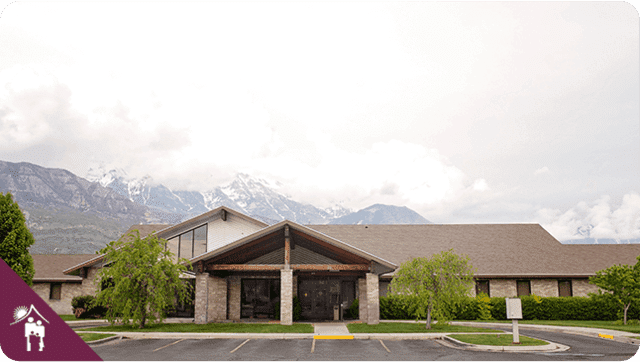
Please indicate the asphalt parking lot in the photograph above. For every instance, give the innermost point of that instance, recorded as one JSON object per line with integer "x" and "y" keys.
{"x": 586, "y": 348}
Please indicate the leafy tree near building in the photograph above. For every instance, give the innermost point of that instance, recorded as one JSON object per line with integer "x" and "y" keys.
{"x": 622, "y": 281}
{"x": 434, "y": 283}
{"x": 143, "y": 280}
{"x": 15, "y": 239}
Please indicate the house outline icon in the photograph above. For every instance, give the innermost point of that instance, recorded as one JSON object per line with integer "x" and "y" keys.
{"x": 31, "y": 309}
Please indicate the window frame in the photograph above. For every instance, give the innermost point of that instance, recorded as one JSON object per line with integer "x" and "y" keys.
{"x": 193, "y": 240}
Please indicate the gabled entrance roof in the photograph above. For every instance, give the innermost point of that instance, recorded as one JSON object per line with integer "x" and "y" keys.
{"x": 271, "y": 239}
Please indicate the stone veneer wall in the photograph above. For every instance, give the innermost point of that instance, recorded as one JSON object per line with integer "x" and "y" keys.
{"x": 581, "y": 287}
{"x": 502, "y": 288}
{"x": 286, "y": 297}
{"x": 544, "y": 287}
{"x": 362, "y": 299}
{"x": 540, "y": 287}
{"x": 202, "y": 293}
{"x": 68, "y": 292}
{"x": 373, "y": 299}
{"x": 217, "y": 306}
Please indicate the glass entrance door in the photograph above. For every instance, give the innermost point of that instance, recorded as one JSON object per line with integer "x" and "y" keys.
{"x": 259, "y": 298}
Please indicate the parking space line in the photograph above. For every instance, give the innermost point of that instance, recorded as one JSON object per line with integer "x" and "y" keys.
{"x": 170, "y": 344}
{"x": 313, "y": 345}
{"x": 242, "y": 344}
{"x": 385, "y": 347}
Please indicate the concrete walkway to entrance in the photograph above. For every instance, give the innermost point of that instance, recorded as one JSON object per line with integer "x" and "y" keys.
{"x": 330, "y": 328}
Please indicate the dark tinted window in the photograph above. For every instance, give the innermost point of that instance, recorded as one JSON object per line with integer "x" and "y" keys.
{"x": 564, "y": 288}
{"x": 56, "y": 291}
{"x": 524, "y": 287}
{"x": 482, "y": 286}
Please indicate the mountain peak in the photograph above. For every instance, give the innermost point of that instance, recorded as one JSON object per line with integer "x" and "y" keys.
{"x": 382, "y": 214}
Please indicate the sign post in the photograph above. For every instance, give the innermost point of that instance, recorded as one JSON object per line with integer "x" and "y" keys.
{"x": 514, "y": 312}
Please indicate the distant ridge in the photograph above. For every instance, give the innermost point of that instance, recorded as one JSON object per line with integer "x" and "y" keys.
{"x": 382, "y": 214}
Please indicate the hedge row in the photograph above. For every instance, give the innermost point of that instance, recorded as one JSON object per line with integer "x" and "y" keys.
{"x": 595, "y": 307}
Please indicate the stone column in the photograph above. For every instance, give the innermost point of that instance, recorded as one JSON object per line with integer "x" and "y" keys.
{"x": 202, "y": 299}
{"x": 373, "y": 299}
{"x": 362, "y": 300}
{"x": 217, "y": 310}
{"x": 286, "y": 297}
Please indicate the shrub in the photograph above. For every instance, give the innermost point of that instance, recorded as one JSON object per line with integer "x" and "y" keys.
{"x": 297, "y": 309}
{"x": 483, "y": 307}
{"x": 396, "y": 307}
{"x": 354, "y": 310}
{"x": 86, "y": 306}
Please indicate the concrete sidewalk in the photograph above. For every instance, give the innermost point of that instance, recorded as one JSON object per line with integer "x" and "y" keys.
{"x": 330, "y": 328}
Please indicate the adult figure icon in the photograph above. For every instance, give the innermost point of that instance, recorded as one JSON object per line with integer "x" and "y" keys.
{"x": 34, "y": 329}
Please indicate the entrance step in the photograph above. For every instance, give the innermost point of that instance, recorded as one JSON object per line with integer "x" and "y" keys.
{"x": 330, "y": 329}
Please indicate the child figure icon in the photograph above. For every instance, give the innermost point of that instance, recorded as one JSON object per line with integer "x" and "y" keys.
{"x": 34, "y": 329}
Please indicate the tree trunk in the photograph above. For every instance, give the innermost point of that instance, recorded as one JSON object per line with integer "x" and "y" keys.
{"x": 429, "y": 317}
{"x": 626, "y": 308}
{"x": 143, "y": 320}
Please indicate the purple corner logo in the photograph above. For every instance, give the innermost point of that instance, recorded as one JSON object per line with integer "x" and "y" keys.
{"x": 35, "y": 333}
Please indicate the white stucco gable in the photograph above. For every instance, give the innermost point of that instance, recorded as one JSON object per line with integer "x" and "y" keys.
{"x": 223, "y": 232}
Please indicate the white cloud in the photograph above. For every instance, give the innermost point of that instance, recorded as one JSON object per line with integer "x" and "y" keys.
{"x": 541, "y": 171}
{"x": 598, "y": 218}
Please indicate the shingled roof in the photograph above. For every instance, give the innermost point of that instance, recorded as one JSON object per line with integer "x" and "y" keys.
{"x": 496, "y": 250}
{"x": 49, "y": 267}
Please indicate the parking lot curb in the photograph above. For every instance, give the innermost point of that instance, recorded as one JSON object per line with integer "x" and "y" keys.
{"x": 104, "y": 340}
{"x": 582, "y": 331}
{"x": 551, "y": 347}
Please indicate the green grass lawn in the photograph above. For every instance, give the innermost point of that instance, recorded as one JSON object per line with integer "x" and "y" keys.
{"x": 589, "y": 324}
{"x": 497, "y": 339}
{"x": 212, "y": 328}
{"x": 71, "y": 317}
{"x": 398, "y": 327}
{"x": 94, "y": 336}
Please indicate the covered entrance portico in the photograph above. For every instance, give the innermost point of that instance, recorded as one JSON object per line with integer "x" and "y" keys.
{"x": 259, "y": 275}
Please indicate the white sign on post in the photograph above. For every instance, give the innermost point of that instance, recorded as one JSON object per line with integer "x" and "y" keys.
{"x": 514, "y": 308}
{"x": 514, "y": 312}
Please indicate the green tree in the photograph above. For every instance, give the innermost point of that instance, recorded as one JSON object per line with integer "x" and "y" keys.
{"x": 143, "y": 282}
{"x": 15, "y": 239}
{"x": 622, "y": 281}
{"x": 435, "y": 284}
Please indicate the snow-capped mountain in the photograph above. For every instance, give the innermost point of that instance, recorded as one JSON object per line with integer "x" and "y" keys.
{"x": 145, "y": 192}
{"x": 252, "y": 196}
{"x": 382, "y": 214}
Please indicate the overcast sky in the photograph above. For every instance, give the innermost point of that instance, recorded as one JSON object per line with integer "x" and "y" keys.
{"x": 465, "y": 112}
